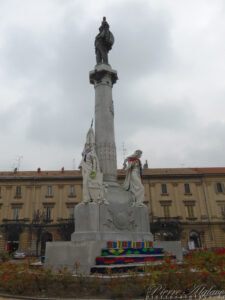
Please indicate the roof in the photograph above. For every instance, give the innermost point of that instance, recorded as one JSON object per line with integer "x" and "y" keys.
{"x": 39, "y": 174}
{"x": 181, "y": 171}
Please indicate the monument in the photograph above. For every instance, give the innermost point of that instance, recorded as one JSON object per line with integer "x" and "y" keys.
{"x": 109, "y": 213}
{"x": 119, "y": 216}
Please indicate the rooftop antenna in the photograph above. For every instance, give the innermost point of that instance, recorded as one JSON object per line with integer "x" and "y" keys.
{"x": 17, "y": 163}
{"x": 74, "y": 164}
{"x": 19, "y": 160}
{"x": 124, "y": 150}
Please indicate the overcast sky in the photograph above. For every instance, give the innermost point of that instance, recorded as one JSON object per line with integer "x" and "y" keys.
{"x": 169, "y": 99}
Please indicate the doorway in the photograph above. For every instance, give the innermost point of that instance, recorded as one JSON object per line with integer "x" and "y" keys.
{"x": 46, "y": 237}
{"x": 195, "y": 240}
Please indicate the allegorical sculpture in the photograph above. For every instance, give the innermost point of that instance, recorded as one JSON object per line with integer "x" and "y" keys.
{"x": 103, "y": 43}
{"x": 133, "y": 167}
{"x": 93, "y": 188}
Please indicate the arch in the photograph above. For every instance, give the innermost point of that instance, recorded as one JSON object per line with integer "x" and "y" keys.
{"x": 195, "y": 239}
{"x": 46, "y": 237}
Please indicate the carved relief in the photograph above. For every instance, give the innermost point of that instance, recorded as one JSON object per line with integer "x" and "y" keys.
{"x": 122, "y": 220}
{"x": 107, "y": 154}
{"x": 111, "y": 108}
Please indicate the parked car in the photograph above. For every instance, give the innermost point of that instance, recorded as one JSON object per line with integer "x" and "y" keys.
{"x": 185, "y": 251}
{"x": 19, "y": 254}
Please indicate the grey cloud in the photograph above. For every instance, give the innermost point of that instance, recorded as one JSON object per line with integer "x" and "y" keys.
{"x": 166, "y": 115}
{"x": 23, "y": 54}
{"x": 143, "y": 40}
{"x": 59, "y": 61}
{"x": 48, "y": 73}
{"x": 57, "y": 97}
{"x": 199, "y": 146}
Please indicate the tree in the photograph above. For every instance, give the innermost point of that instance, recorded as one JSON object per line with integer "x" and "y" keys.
{"x": 65, "y": 228}
{"x": 38, "y": 225}
{"x": 11, "y": 230}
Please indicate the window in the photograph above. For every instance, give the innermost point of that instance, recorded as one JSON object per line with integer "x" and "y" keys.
{"x": 166, "y": 211}
{"x": 49, "y": 191}
{"x": 219, "y": 187}
{"x": 72, "y": 190}
{"x": 48, "y": 213}
{"x": 16, "y": 213}
{"x": 164, "y": 188}
{"x": 18, "y": 191}
{"x": 187, "y": 188}
{"x": 223, "y": 211}
{"x": 190, "y": 211}
{"x": 71, "y": 212}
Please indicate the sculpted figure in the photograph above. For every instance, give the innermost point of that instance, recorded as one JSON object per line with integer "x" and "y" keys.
{"x": 103, "y": 43}
{"x": 133, "y": 167}
{"x": 93, "y": 189}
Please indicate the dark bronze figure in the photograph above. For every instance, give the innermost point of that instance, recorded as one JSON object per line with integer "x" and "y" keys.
{"x": 103, "y": 43}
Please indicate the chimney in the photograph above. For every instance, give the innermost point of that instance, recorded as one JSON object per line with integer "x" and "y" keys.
{"x": 39, "y": 170}
{"x": 15, "y": 170}
{"x": 145, "y": 165}
{"x": 62, "y": 170}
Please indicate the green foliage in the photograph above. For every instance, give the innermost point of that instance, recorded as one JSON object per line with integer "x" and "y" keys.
{"x": 203, "y": 268}
{"x": 5, "y": 256}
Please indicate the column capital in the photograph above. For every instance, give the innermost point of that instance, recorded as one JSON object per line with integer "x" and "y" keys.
{"x": 101, "y": 71}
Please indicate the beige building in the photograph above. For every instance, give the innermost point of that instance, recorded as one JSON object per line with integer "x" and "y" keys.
{"x": 186, "y": 204}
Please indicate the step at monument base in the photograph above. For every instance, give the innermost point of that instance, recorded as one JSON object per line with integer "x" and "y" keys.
{"x": 88, "y": 255}
{"x": 127, "y": 259}
{"x": 136, "y": 257}
{"x": 108, "y": 269}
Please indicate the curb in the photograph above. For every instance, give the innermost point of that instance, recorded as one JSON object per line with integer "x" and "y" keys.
{"x": 35, "y": 298}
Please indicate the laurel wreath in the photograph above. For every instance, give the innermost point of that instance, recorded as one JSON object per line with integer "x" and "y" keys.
{"x": 92, "y": 175}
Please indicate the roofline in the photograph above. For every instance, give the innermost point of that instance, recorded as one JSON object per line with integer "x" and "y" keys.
{"x": 147, "y": 174}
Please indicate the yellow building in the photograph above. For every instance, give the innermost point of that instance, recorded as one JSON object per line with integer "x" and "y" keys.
{"x": 186, "y": 204}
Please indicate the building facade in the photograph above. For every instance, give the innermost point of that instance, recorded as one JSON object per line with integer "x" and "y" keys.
{"x": 186, "y": 204}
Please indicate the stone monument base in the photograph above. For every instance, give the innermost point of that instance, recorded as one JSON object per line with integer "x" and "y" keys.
{"x": 119, "y": 220}
{"x": 60, "y": 255}
{"x": 81, "y": 256}
{"x": 94, "y": 222}
{"x": 172, "y": 247}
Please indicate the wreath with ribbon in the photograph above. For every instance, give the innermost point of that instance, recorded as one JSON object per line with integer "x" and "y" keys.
{"x": 92, "y": 174}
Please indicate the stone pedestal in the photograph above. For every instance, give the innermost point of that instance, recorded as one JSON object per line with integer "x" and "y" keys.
{"x": 95, "y": 225}
{"x": 117, "y": 221}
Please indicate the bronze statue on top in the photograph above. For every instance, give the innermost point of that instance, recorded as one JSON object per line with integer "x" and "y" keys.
{"x": 103, "y": 43}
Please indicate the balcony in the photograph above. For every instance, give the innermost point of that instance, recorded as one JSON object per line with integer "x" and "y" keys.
{"x": 169, "y": 225}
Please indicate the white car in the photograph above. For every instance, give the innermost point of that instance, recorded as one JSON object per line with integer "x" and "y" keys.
{"x": 19, "y": 254}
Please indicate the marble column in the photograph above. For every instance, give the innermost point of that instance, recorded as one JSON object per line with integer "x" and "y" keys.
{"x": 103, "y": 77}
